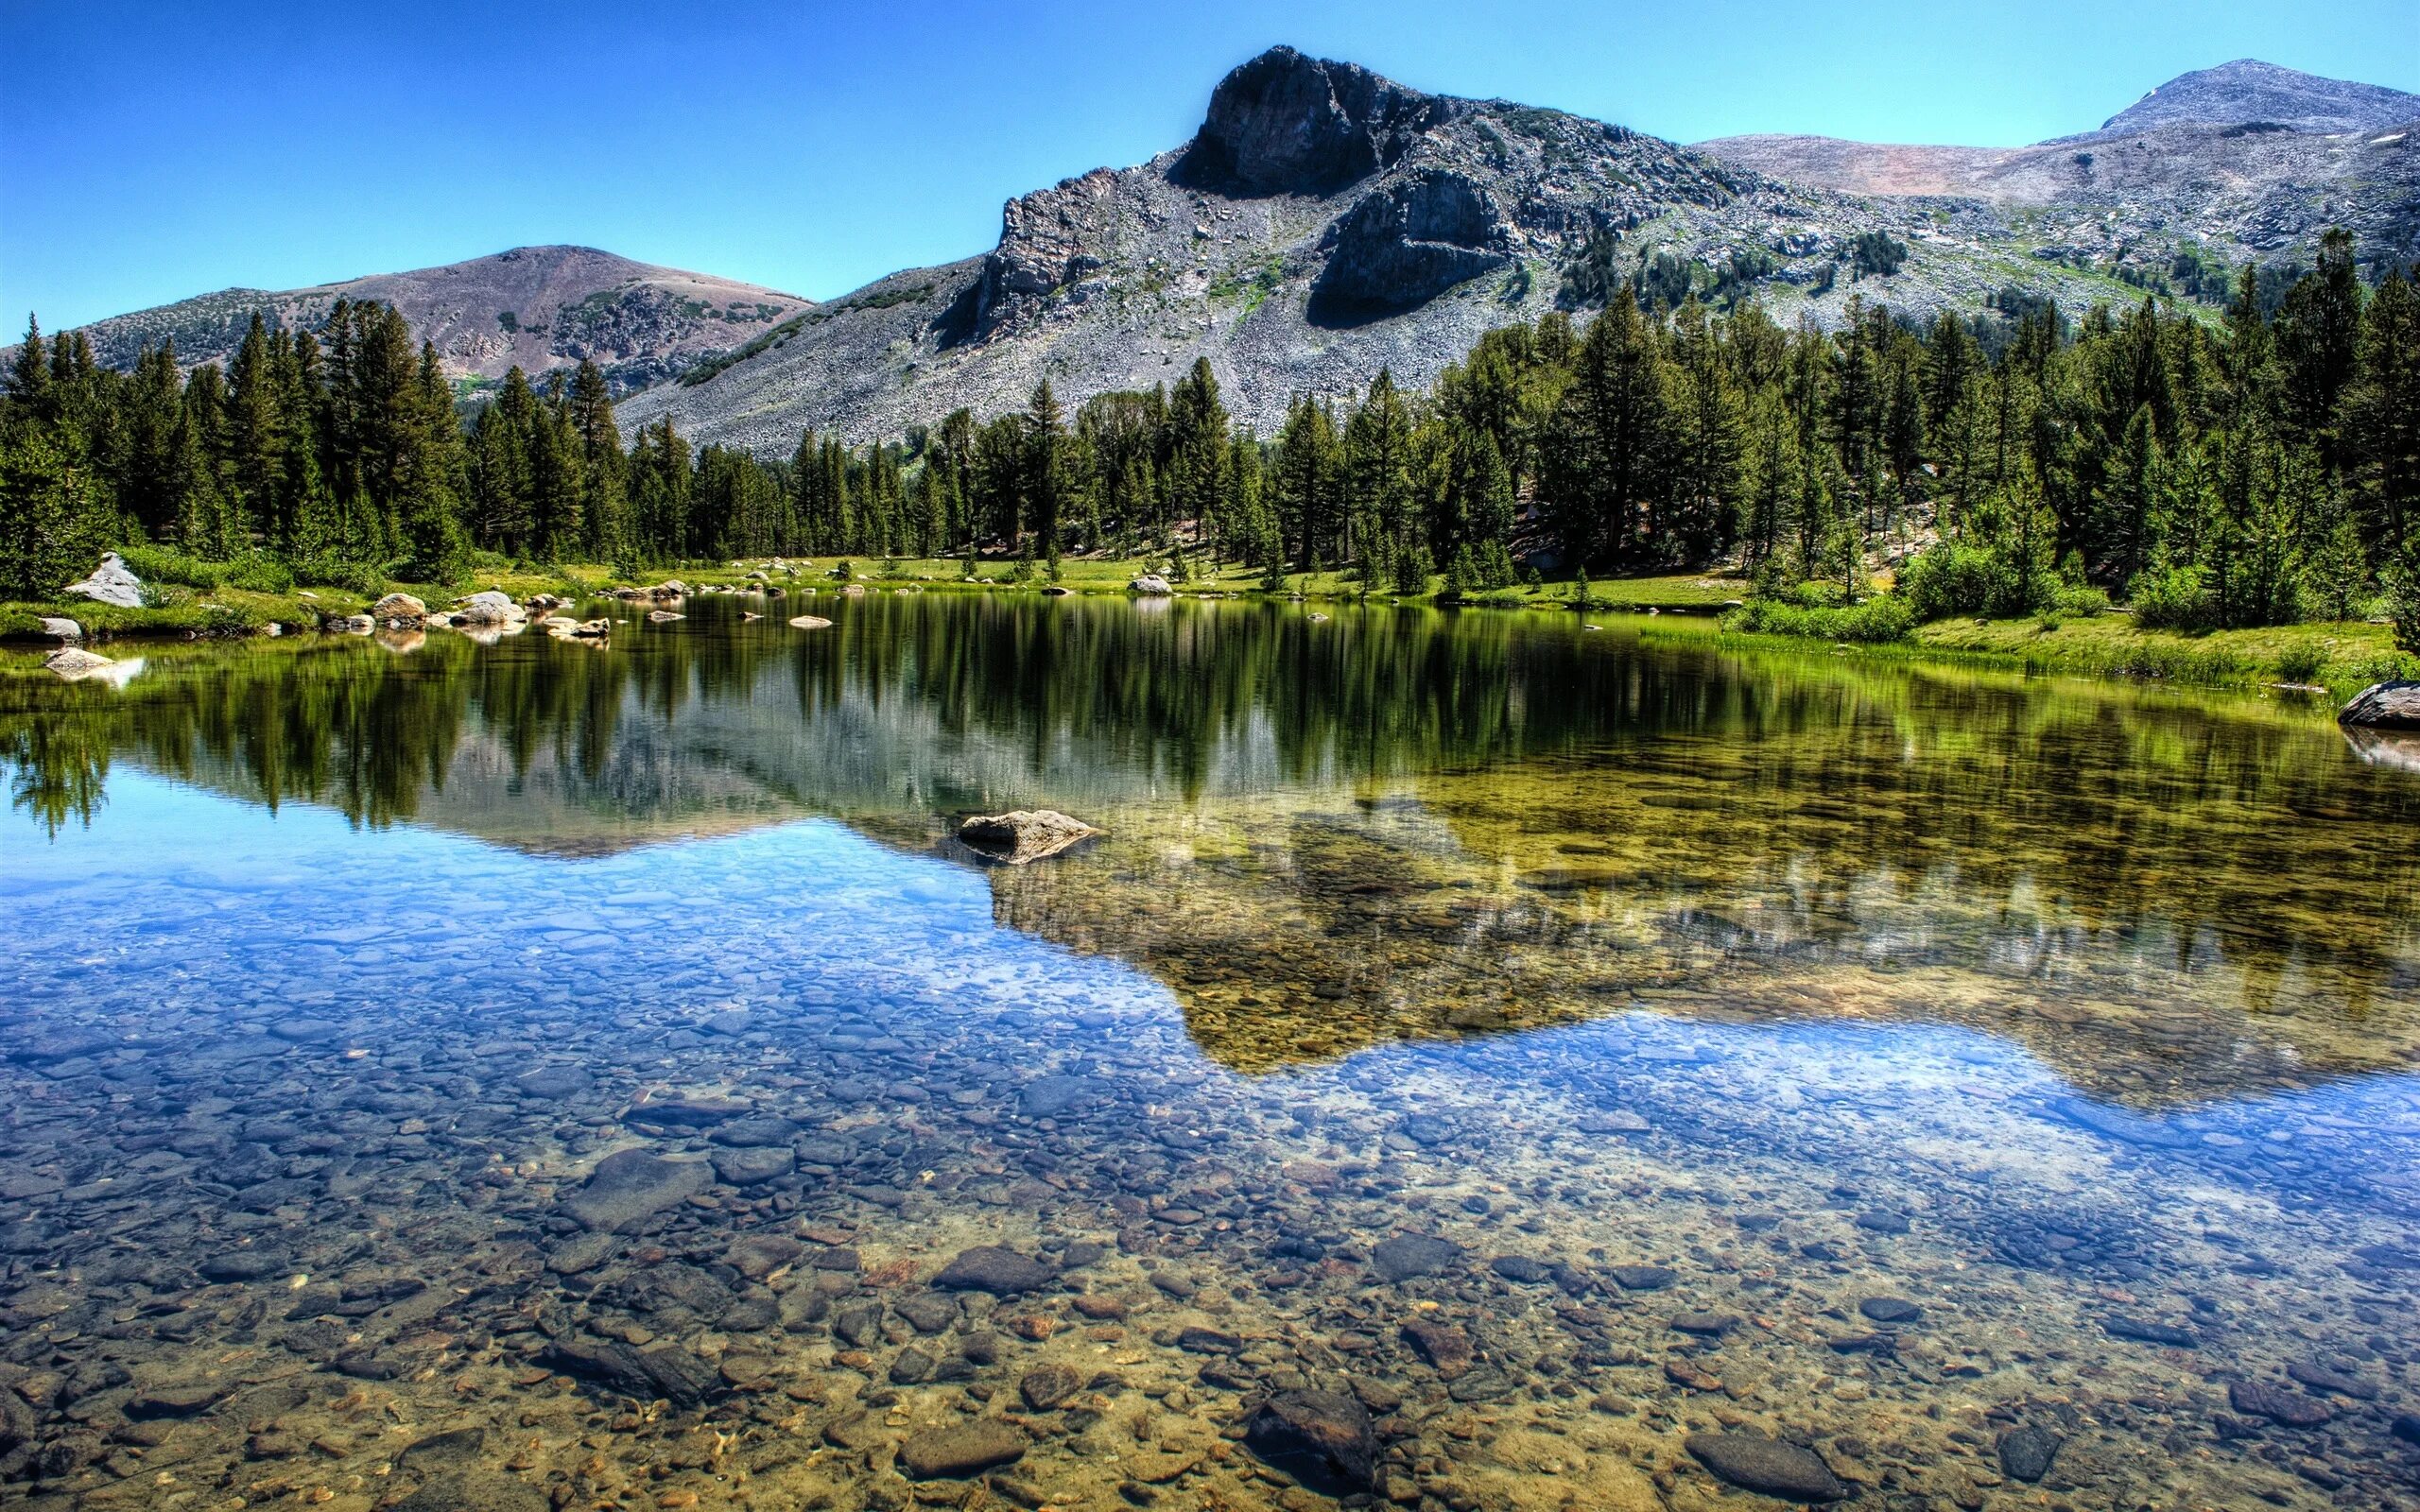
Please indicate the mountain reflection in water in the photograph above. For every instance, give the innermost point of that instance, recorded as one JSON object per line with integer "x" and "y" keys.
{"x": 1402, "y": 824}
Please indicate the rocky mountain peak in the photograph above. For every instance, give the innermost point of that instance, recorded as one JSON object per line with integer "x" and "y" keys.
{"x": 1288, "y": 124}
{"x": 2249, "y": 92}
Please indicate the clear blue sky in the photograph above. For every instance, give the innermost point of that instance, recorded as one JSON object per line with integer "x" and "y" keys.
{"x": 153, "y": 151}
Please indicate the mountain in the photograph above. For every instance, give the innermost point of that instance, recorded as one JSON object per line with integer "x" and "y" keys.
{"x": 2247, "y": 161}
{"x": 1325, "y": 222}
{"x": 540, "y": 307}
{"x": 2249, "y": 92}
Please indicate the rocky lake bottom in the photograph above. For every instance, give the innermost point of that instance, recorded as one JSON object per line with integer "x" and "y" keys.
{"x": 791, "y": 1162}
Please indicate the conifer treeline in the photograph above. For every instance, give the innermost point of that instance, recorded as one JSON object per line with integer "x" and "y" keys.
{"x": 2260, "y": 470}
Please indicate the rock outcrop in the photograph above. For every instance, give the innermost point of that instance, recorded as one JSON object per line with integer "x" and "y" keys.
{"x": 2383, "y": 706}
{"x": 1023, "y": 834}
{"x": 111, "y": 582}
{"x": 488, "y": 607}
{"x": 1409, "y": 243}
{"x": 74, "y": 662}
{"x": 399, "y": 610}
{"x": 1286, "y": 123}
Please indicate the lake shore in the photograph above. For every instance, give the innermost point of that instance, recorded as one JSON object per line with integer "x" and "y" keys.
{"x": 2334, "y": 658}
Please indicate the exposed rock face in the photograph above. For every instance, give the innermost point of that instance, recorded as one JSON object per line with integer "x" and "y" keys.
{"x": 111, "y": 582}
{"x": 1286, "y": 123}
{"x": 1023, "y": 834}
{"x": 1409, "y": 243}
{"x": 2383, "y": 706}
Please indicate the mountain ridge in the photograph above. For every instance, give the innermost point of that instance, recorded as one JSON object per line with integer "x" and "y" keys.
{"x": 1326, "y": 223}
{"x": 541, "y": 308}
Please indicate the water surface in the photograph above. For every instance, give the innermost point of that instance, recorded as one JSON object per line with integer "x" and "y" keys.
{"x": 1565, "y": 1045}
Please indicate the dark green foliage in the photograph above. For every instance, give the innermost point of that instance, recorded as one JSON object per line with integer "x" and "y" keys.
{"x": 1878, "y": 253}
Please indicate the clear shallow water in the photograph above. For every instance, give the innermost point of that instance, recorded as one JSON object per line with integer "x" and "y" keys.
{"x": 1559, "y": 1044}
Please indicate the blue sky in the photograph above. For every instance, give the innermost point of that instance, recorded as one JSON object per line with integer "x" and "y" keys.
{"x": 149, "y": 152}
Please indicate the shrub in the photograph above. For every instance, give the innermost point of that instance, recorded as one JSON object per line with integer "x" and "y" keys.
{"x": 165, "y": 564}
{"x": 1883, "y": 618}
{"x": 2083, "y": 602}
{"x": 2171, "y": 598}
{"x": 352, "y": 577}
{"x": 1947, "y": 579}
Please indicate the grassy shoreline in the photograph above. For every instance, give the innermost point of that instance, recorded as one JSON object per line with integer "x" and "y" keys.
{"x": 2338, "y": 657}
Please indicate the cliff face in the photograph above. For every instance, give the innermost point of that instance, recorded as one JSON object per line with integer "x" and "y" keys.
{"x": 1324, "y": 223}
{"x": 540, "y": 307}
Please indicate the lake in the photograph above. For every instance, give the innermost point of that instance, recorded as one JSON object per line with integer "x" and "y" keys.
{"x": 1486, "y": 1062}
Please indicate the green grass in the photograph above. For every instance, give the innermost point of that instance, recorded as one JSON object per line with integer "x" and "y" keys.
{"x": 2342, "y": 658}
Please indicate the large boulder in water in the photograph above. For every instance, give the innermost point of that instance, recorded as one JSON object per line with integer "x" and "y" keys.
{"x": 2383, "y": 706}
{"x": 1023, "y": 834}
{"x": 111, "y": 582}
{"x": 1150, "y": 585}
{"x": 491, "y": 607}
{"x": 399, "y": 610}
{"x": 1323, "y": 1439}
{"x": 74, "y": 662}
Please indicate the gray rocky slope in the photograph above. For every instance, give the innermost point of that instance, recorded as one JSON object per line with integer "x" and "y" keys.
{"x": 540, "y": 307}
{"x": 1324, "y": 223}
{"x": 2249, "y": 90}
{"x": 2248, "y": 160}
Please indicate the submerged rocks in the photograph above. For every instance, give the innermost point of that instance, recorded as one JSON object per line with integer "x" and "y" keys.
{"x": 1756, "y": 1463}
{"x": 1407, "y": 1256}
{"x": 2383, "y": 706}
{"x": 810, "y": 622}
{"x": 990, "y": 1268}
{"x": 2026, "y": 1453}
{"x": 1023, "y": 834}
{"x": 1444, "y": 1346}
{"x": 2150, "y": 1331}
{"x": 1048, "y": 1387}
{"x": 2257, "y": 1399}
{"x": 111, "y": 582}
{"x": 667, "y": 1371}
{"x": 965, "y": 1450}
{"x": 1323, "y": 1439}
{"x": 630, "y": 1186}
